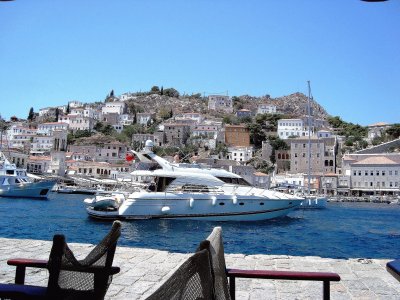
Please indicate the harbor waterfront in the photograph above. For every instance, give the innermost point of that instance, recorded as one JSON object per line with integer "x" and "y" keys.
{"x": 354, "y": 240}
{"x": 342, "y": 230}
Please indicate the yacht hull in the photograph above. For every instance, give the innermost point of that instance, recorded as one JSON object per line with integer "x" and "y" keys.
{"x": 199, "y": 207}
{"x": 28, "y": 190}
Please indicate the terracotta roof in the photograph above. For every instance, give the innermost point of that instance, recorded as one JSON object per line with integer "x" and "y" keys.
{"x": 378, "y": 124}
{"x": 260, "y": 174}
{"x": 54, "y": 123}
{"x": 379, "y": 160}
{"x": 348, "y": 158}
{"x": 38, "y": 158}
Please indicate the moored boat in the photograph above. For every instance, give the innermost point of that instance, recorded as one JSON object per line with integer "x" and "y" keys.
{"x": 14, "y": 182}
{"x": 177, "y": 192}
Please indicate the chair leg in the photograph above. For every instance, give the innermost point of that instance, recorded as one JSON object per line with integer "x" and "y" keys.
{"x": 232, "y": 287}
{"x": 20, "y": 275}
{"x": 327, "y": 294}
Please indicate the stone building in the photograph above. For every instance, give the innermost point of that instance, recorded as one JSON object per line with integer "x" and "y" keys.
{"x": 176, "y": 134}
{"x": 282, "y": 161}
{"x": 237, "y": 135}
{"x": 221, "y": 103}
{"x": 322, "y": 155}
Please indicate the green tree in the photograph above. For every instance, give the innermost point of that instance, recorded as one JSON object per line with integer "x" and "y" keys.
{"x": 162, "y": 91}
{"x": 108, "y": 130}
{"x": 68, "y": 110}
{"x": 31, "y": 114}
{"x": 155, "y": 89}
{"x": 57, "y": 114}
{"x": 394, "y": 131}
{"x": 171, "y": 92}
{"x": 257, "y": 135}
{"x": 164, "y": 113}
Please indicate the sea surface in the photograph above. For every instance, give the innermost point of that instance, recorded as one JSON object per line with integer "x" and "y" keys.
{"x": 342, "y": 230}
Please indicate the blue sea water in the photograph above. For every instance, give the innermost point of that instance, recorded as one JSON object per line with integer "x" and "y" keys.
{"x": 343, "y": 230}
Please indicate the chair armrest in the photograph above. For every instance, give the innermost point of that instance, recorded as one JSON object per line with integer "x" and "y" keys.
{"x": 23, "y": 262}
{"x": 393, "y": 267}
{"x": 288, "y": 275}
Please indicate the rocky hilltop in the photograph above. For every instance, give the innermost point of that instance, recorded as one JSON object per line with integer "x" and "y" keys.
{"x": 293, "y": 105}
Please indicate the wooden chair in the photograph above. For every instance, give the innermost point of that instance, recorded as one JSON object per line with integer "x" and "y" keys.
{"x": 69, "y": 278}
{"x": 225, "y": 290}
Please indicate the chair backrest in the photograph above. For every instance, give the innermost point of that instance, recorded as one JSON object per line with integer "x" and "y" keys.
{"x": 215, "y": 246}
{"x": 74, "y": 278}
{"x": 191, "y": 281}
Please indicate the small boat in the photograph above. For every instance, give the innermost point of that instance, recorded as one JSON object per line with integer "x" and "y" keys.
{"x": 106, "y": 202}
{"x": 179, "y": 192}
{"x": 14, "y": 182}
{"x": 75, "y": 190}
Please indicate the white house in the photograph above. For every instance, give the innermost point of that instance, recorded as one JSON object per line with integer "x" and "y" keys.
{"x": 264, "y": 108}
{"x": 210, "y": 131}
{"x": 291, "y": 127}
{"x": 44, "y": 111}
{"x": 117, "y": 107}
{"x": 192, "y": 116}
{"x": 240, "y": 154}
{"x": 145, "y": 118}
{"x": 324, "y": 133}
{"x": 47, "y": 128}
{"x": 77, "y": 122}
{"x": 42, "y": 143}
{"x": 74, "y": 104}
{"x": 125, "y": 119}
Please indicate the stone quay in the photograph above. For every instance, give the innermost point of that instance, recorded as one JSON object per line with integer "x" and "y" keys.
{"x": 143, "y": 270}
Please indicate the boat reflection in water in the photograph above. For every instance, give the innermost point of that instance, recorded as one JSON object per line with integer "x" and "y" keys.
{"x": 174, "y": 191}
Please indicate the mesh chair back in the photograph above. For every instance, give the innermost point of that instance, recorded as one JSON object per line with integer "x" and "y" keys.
{"x": 74, "y": 281}
{"x": 192, "y": 281}
{"x": 216, "y": 248}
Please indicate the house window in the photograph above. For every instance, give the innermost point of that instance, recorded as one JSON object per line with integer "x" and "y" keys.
{"x": 370, "y": 184}
{"x": 354, "y": 173}
{"x": 390, "y": 172}
{"x": 377, "y": 173}
{"x": 383, "y": 173}
{"x": 366, "y": 173}
{"x": 359, "y": 173}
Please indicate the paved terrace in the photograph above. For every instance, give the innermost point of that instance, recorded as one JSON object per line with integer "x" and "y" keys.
{"x": 143, "y": 270}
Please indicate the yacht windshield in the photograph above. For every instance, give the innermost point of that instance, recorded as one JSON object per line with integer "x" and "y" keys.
{"x": 239, "y": 181}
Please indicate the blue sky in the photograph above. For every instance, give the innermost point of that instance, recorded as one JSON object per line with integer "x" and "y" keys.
{"x": 55, "y": 51}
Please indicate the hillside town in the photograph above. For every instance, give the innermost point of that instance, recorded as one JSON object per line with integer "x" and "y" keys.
{"x": 268, "y": 141}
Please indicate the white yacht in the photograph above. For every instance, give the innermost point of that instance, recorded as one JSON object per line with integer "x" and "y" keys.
{"x": 176, "y": 191}
{"x": 14, "y": 182}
